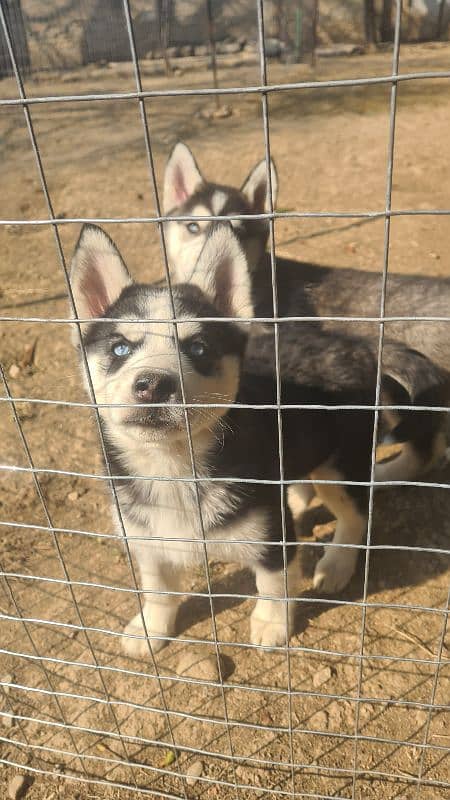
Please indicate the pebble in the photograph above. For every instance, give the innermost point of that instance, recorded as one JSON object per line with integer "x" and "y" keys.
{"x": 194, "y": 663}
{"x": 26, "y": 411}
{"x": 72, "y": 496}
{"x": 6, "y": 679}
{"x": 334, "y": 713}
{"x": 322, "y": 676}
{"x": 222, "y": 112}
{"x": 193, "y": 773}
{"x": 17, "y": 787}
{"x": 14, "y": 371}
{"x": 320, "y": 721}
{"x": 8, "y": 721}
{"x": 28, "y": 354}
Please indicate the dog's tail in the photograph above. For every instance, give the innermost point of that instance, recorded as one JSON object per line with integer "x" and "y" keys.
{"x": 411, "y": 379}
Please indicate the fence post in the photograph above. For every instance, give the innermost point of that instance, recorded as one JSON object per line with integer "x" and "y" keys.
{"x": 298, "y": 29}
{"x": 17, "y": 30}
{"x": 386, "y": 33}
{"x": 440, "y": 19}
{"x": 315, "y": 21}
{"x": 212, "y": 49}
{"x": 164, "y": 12}
{"x": 369, "y": 22}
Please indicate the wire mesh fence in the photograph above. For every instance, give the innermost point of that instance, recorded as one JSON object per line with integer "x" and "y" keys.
{"x": 186, "y": 725}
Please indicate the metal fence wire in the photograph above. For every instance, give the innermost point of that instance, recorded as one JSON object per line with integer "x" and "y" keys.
{"x": 123, "y": 750}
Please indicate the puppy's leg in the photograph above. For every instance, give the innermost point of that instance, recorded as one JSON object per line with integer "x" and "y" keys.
{"x": 269, "y": 617}
{"x": 159, "y": 610}
{"x": 413, "y": 460}
{"x": 337, "y": 565}
{"x": 300, "y": 496}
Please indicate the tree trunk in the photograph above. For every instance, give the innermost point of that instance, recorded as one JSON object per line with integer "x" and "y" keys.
{"x": 369, "y": 22}
{"x": 386, "y": 30}
{"x": 440, "y": 19}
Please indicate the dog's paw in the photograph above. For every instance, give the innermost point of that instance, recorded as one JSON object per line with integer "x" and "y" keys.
{"x": 334, "y": 570}
{"x": 268, "y": 634}
{"x": 138, "y": 647}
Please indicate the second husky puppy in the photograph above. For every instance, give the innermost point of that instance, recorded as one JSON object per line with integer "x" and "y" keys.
{"x": 311, "y": 290}
{"x": 132, "y": 355}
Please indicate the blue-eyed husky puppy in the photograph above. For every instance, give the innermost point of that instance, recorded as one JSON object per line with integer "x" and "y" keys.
{"x": 133, "y": 360}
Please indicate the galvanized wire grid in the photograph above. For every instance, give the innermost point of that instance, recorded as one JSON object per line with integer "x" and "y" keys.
{"x": 26, "y": 746}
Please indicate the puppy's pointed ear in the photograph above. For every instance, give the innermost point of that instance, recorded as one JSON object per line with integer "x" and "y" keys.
{"x": 181, "y": 178}
{"x": 256, "y": 189}
{"x": 97, "y": 274}
{"x": 222, "y": 273}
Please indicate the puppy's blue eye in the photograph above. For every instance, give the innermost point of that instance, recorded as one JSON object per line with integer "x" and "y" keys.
{"x": 193, "y": 227}
{"x": 121, "y": 349}
{"x": 197, "y": 349}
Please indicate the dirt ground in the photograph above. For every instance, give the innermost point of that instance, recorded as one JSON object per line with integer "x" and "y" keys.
{"x": 330, "y": 147}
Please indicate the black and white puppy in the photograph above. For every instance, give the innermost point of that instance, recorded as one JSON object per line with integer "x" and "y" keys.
{"x": 133, "y": 361}
{"x": 306, "y": 289}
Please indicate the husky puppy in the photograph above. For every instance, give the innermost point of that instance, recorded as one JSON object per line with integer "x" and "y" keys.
{"x": 133, "y": 360}
{"x": 306, "y": 289}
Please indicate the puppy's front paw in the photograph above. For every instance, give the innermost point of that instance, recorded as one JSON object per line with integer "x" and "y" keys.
{"x": 269, "y": 634}
{"x": 269, "y": 629}
{"x": 335, "y": 569}
{"x": 138, "y": 647}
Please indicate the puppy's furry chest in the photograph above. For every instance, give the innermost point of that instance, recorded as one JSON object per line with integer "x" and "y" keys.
{"x": 169, "y": 523}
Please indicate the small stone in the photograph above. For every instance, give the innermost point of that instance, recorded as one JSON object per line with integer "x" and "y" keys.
{"x": 173, "y": 52}
{"x": 322, "y": 676}
{"x": 334, "y": 714}
{"x": 319, "y": 721}
{"x": 18, "y": 786}
{"x": 186, "y": 50}
{"x": 222, "y": 112}
{"x": 435, "y": 256}
{"x": 265, "y": 718}
{"x": 26, "y": 411}
{"x": 194, "y": 663}
{"x": 7, "y": 721}
{"x": 193, "y": 773}
{"x": 73, "y": 497}
{"x": 202, "y": 50}
{"x": 7, "y": 679}
{"x": 206, "y": 113}
{"x": 28, "y": 354}
{"x": 14, "y": 371}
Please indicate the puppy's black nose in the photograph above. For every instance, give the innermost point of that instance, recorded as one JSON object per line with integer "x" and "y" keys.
{"x": 152, "y": 387}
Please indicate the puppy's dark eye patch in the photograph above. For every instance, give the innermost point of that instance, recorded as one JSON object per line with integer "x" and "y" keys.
{"x": 201, "y": 354}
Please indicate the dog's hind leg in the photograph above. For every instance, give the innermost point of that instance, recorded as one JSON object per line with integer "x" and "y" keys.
{"x": 337, "y": 565}
{"x": 413, "y": 460}
{"x": 271, "y": 624}
{"x": 299, "y": 497}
